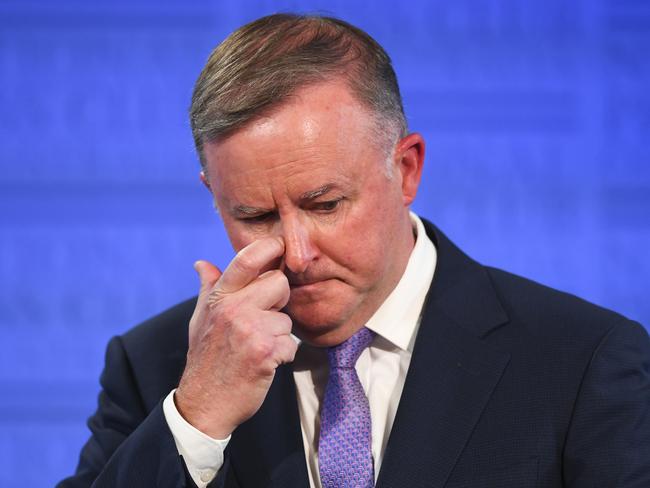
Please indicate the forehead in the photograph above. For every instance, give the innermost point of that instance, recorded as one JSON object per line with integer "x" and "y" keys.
{"x": 322, "y": 133}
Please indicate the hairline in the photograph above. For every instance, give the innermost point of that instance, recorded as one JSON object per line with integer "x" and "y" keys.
{"x": 385, "y": 130}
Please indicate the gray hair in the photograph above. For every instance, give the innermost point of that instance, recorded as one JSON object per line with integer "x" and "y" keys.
{"x": 263, "y": 63}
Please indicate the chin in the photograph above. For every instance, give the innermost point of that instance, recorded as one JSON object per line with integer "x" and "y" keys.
{"x": 319, "y": 324}
{"x": 315, "y": 317}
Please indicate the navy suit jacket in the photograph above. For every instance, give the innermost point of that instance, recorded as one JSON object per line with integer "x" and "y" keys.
{"x": 511, "y": 384}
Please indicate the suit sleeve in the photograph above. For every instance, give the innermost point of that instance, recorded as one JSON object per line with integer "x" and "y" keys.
{"x": 608, "y": 443}
{"x": 128, "y": 447}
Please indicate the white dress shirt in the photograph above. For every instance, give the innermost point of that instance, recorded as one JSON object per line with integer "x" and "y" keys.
{"x": 382, "y": 369}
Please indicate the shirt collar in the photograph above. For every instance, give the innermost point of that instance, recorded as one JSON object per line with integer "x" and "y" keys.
{"x": 398, "y": 318}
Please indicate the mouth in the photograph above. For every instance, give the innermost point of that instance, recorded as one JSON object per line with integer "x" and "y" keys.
{"x": 306, "y": 284}
{"x": 302, "y": 284}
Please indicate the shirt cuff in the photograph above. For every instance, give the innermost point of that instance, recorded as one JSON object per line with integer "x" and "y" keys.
{"x": 202, "y": 454}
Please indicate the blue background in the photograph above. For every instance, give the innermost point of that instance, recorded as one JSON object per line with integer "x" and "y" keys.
{"x": 536, "y": 113}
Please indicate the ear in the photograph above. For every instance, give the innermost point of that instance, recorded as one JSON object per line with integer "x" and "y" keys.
{"x": 204, "y": 180}
{"x": 409, "y": 159}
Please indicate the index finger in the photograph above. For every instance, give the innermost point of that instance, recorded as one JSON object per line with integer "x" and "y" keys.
{"x": 249, "y": 262}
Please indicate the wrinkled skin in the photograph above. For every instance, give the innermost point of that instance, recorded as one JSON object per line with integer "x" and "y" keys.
{"x": 323, "y": 235}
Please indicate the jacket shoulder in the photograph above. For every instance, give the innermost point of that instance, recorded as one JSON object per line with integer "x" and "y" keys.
{"x": 170, "y": 324}
{"x": 540, "y": 306}
{"x": 156, "y": 350}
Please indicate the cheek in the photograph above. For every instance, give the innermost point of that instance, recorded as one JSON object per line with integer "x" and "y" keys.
{"x": 359, "y": 245}
{"x": 238, "y": 236}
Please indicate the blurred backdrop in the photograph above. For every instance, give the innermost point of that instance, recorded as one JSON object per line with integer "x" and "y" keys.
{"x": 536, "y": 114}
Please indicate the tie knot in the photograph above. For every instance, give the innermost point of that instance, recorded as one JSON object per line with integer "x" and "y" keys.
{"x": 345, "y": 355}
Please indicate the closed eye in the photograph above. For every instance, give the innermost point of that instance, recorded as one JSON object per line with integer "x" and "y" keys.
{"x": 327, "y": 206}
{"x": 258, "y": 219}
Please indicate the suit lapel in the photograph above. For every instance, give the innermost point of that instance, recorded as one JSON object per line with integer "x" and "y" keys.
{"x": 450, "y": 380}
{"x": 451, "y": 376}
{"x": 267, "y": 450}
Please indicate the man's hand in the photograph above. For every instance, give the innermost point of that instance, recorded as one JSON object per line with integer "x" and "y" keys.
{"x": 237, "y": 338}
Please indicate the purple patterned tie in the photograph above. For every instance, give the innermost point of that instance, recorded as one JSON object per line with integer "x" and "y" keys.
{"x": 344, "y": 455}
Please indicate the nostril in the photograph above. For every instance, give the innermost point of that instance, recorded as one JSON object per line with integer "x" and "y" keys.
{"x": 296, "y": 264}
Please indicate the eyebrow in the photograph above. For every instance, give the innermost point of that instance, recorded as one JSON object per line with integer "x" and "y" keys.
{"x": 312, "y": 194}
{"x": 308, "y": 195}
{"x": 247, "y": 210}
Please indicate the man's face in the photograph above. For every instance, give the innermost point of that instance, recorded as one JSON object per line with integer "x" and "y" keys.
{"x": 313, "y": 173}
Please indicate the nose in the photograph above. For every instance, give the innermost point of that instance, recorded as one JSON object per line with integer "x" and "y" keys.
{"x": 300, "y": 250}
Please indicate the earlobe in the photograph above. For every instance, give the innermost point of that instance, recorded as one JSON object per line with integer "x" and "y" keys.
{"x": 204, "y": 180}
{"x": 410, "y": 162}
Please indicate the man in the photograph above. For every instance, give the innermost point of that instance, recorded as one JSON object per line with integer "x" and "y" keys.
{"x": 411, "y": 365}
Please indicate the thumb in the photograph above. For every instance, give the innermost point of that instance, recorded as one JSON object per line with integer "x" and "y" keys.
{"x": 208, "y": 274}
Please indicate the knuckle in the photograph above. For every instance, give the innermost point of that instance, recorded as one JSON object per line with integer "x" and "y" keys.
{"x": 288, "y": 348}
{"x": 262, "y": 348}
{"x": 245, "y": 330}
{"x": 244, "y": 262}
{"x": 215, "y": 297}
{"x": 293, "y": 348}
{"x": 277, "y": 278}
{"x": 286, "y": 322}
{"x": 286, "y": 319}
{"x": 282, "y": 279}
{"x": 292, "y": 345}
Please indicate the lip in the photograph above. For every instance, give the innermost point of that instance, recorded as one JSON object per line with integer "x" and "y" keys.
{"x": 306, "y": 285}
